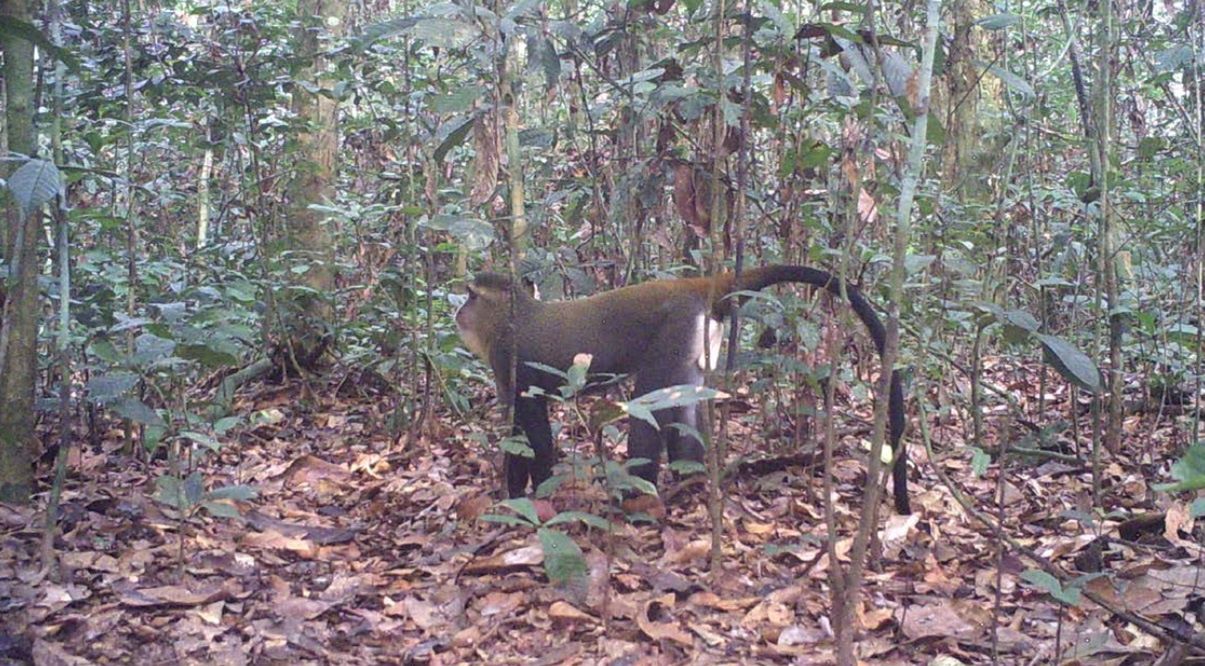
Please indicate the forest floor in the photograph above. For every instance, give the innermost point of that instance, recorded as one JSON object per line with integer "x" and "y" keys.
{"x": 363, "y": 547}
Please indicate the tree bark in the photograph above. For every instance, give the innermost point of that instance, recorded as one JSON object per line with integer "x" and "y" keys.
{"x": 309, "y": 310}
{"x": 19, "y": 326}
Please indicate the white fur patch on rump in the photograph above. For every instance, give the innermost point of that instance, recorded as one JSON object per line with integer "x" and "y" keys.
{"x": 715, "y": 336}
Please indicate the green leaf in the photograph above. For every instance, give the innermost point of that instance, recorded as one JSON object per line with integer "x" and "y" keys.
{"x": 458, "y": 100}
{"x": 1014, "y": 82}
{"x": 548, "y": 59}
{"x": 1052, "y": 586}
{"x": 979, "y": 461}
{"x": 221, "y": 509}
{"x": 194, "y": 488}
{"x": 443, "y": 32}
{"x": 1150, "y": 146}
{"x": 169, "y": 492}
{"x": 206, "y": 356}
{"x": 202, "y": 439}
{"x": 524, "y": 507}
{"x": 516, "y": 445}
{"x": 687, "y": 467}
{"x": 1071, "y": 363}
{"x": 839, "y": 5}
{"x": 132, "y": 408}
{"x": 1173, "y": 58}
{"x": 382, "y": 29}
{"x": 473, "y": 232}
{"x": 224, "y": 425}
{"x": 454, "y": 132}
{"x": 238, "y": 492}
{"x": 1189, "y": 471}
{"x": 107, "y": 387}
{"x": 34, "y": 184}
{"x": 1198, "y": 507}
{"x": 680, "y": 395}
{"x": 563, "y": 559}
{"x": 998, "y": 21}
{"x": 513, "y": 521}
{"x": 555, "y": 372}
{"x": 597, "y": 522}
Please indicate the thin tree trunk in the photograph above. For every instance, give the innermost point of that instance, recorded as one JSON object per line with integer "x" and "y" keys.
{"x": 913, "y": 170}
{"x": 19, "y": 324}
{"x": 309, "y": 314}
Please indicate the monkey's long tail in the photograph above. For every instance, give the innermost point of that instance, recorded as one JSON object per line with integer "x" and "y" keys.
{"x": 759, "y": 278}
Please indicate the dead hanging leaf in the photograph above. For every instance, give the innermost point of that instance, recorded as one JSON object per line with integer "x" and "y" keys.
{"x": 868, "y": 208}
{"x": 669, "y": 631}
{"x": 485, "y": 161}
{"x": 692, "y": 200}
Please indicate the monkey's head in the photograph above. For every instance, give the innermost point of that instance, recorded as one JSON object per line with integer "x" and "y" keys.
{"x": 481, "y": 320}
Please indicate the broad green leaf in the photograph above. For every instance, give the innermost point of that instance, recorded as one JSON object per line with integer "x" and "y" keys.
{"x": 107, "y": 387}
{"x": 998, "y": 21}
{"x": 1052, "y": 586}
{"x": 1198, "y": 507}
{"x": 979, "y": 461}
{"x": 513, "y": 521}
{"x": 516, "y": 445}
{"x": 194, "y": 488}
{"x": 169, "y": 492}
{"x": 1071, "y": 363}
{"x": 590, "y": 519}
{"x": 524, "y": 507}
{"x": 221, "y": 509}
{"x": 1014, "y": 82}
{"x": 239, "y": 492}
{"x": 688, "y": 467}
{"x": 34, "y": 184}
{"x": 555, "y": 372}
{"x": 563, "y": 559}
{"x": 454, "y": 132}
{"x": 443, "y": 32}
{"x": 225, "y": 424}
{"x": 132, "y": 408}
{"x": 202, "y": 439}
{"x": 680, "y": 395}
{"x": 1189, "y": 471}
{"x": 206, "y": 356}
{"x": 456, "y": 101}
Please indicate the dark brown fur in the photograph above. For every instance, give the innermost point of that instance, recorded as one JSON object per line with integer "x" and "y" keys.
{"x": 649, "y": 330}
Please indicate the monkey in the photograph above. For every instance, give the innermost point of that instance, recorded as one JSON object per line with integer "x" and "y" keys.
{"x": 652, "y": 331}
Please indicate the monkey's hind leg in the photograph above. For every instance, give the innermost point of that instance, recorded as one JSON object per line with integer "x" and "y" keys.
{"x": 645, "y": 441}
{"x": 531, "y": 418}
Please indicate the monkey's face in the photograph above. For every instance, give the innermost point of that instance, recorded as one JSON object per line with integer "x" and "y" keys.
{"x": 477, "y": 318}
